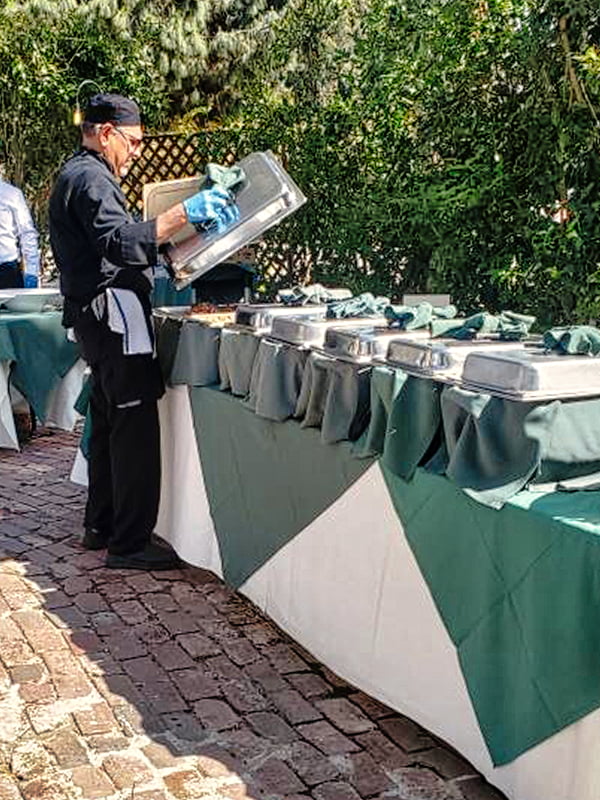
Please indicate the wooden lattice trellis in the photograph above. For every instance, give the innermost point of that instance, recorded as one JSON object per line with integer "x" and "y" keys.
{"x": 170, "y": 156}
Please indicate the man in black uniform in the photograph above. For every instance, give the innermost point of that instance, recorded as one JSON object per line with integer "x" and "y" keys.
{"x": 105, "y": 260}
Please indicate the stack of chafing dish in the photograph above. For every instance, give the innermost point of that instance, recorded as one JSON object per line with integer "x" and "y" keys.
{"x": 532, "y": 374}
{"x": 444, "y": 359}
{"x": 307, "y": 332}
{"x": 259, "y": 317}
{"x": 365, "y": 344}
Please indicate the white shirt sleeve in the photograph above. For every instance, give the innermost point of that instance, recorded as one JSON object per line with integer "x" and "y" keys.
{"x": 27, "y": 234}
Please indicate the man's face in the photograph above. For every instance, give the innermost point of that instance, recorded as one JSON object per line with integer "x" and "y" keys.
{"x": 122, "y": 144}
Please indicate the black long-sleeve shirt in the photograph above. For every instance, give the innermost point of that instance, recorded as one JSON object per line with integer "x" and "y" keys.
{"x": 94, "y": 239}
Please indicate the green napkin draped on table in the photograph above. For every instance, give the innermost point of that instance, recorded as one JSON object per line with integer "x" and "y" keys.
{"x": 574, "y": 340}
{"x": 495, "y": 447}
{"x": 334, "y": 397}
{"x": 405, "y": 421}
{"x": 410, "y": 318}
{"x": 276, "y": 380}
{"x": 237, "y": 352}
{"x": 363, "y": 305}
{"x": 508, "y": 324}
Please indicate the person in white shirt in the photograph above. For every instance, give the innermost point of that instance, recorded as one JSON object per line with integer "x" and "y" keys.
{"x": 18, "y": 241}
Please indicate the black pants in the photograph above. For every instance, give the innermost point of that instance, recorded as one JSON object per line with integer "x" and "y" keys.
{"x": 124, "y": 469}
{"x": 11, "y": 276}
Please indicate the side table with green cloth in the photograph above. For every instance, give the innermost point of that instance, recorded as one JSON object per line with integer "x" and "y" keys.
{"x": 495, "y": 447}
{"x": 165, "y": 294}
{"x": 405, "y": 420}
{"x": 41, "y": 353}
{"x": 276, "y": 379}
{"x": 334, "y": 396}
{"x": 188, "y": 352}
{"x": 236, "y": 359}
{"x": 518, "y": 592}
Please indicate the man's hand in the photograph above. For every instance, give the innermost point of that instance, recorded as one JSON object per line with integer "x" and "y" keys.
{"x": 30, "y": 281}
{"x": 212, "y": 209}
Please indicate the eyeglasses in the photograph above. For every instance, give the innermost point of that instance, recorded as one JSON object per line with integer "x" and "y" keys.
{"x": 133, "y": 143}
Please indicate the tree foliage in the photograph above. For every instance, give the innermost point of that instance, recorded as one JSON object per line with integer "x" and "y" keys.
{"x": 458, "y": 150}
{"x": 173, "y": 57}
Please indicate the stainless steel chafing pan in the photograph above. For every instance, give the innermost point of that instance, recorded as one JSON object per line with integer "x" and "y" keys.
{"x": 311, "y": 332}
{"x": 442, "y": 358}
{"x": 267, "y": 196}
{"x": 365, "y": 344}
{"x": 260, "y": 316}
{"x": 532, "y": 374}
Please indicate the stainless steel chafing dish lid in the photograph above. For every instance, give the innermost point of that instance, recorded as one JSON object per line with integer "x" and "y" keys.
{"x": 311, "y": 332}
{"x": 260, "y": 316}
{"x": 441, "y": 355}
{"x": 267, "y": 196}
{"x": 365, "y": 343}
{"x": 532, "y": 374}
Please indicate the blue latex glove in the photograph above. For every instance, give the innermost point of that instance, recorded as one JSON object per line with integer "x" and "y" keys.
{"x": 30, "y": 281}
{"x": 227, "y": 217}
{"x": 205, "y": 207}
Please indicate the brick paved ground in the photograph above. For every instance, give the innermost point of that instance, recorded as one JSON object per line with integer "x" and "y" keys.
{"x": 117, "y": 684}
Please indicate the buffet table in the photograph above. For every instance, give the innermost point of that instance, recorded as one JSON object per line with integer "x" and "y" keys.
{"x": 39, "y": 364}
{"x": 479, "y": 624}
{"x": 412, "y": 562}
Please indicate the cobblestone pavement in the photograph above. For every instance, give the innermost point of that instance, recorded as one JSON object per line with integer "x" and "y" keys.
{"x": 116, "y": 684}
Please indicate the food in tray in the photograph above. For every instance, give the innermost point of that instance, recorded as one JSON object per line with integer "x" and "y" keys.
{"x": 442, "y": 358}
{"x": 365, "y": 344}
{"x": 532, "y": 374}
{"x": 210, "y": 314}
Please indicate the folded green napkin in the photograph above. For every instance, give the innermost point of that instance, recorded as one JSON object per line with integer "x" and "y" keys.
{"x": 410, "y": 318}
{"x": 230, "y": 178}
{"x": 576, "y": 339}
{"x": 508, "y": 324}
{"x": 363, "y": 305}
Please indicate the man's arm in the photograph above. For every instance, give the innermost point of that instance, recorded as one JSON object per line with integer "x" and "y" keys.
{"x": 28, "y": 239}
{"x": 169, "y": 222}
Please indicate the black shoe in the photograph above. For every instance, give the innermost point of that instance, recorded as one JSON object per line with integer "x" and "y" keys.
{"x": 93, "y": 539}
{"x": 152, "y": 557}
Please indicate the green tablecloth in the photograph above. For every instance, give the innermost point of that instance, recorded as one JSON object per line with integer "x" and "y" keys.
{"x": 404, "y": 427}
{"x": 41, "y": 353}
{"x": 334, "y": 397}
{"x": 518, "y": 592}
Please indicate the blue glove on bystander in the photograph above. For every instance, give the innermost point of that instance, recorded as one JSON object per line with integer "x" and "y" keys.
{"x": 30, "y": 281}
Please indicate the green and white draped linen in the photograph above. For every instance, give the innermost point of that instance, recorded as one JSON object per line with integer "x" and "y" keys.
{"x": 479, "y": 624}
{"x": 39, "y": 364}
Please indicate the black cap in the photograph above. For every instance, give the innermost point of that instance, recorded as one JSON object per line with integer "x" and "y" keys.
{"x": 112, "y": 108}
